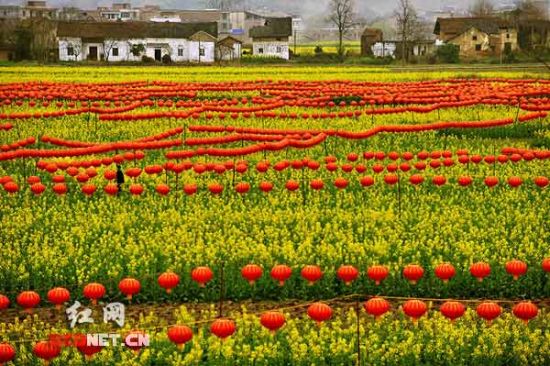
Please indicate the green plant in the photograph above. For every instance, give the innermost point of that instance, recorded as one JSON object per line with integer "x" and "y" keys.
{"x": 448, "y": 53}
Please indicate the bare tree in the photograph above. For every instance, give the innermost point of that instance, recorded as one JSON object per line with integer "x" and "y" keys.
{"x": 482, "y": 8}
{"x": 108, "y": 45}
{"x": 342, "y": 15}
{"x": 77, "y": 49}
{"x": 407, "y": 25}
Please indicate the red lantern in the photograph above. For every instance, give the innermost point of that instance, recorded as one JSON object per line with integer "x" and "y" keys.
{"x": 266, "y": 187}
{"x": 180, "y": 334}
{"x": 242, "y": 187}
{"x": 33, "y": 179}
{"x": 414, "y": 309}
{"x": 317, "y": 184}
{"x": 292, "y": 185}
{"x": 223, "y": 328}
{"x": 162, "y": 189}
{"x": 340, "y": 183}
{"x": 516, "y": 268}
{"x": 491, "y": 181}
{"x": 94, "y": 292}
{"x": 546, "y": 265}
{"x": 311, "y": 273}
{"x": 377, "y": 273}
{"x": 131, "y": 340}
{"x": 413, "y": 273}
{"x": 416, "y": 179}
{"x": 367, "y": 181}
{"x": 439, "y": 180}
{"x": 168, "y": 281}
{"x": 515, "y": 182}
{"x": 272, "y": 320}
{"x": 136, "y": 189}
{"x": 58, "y": 296}
{"x": 281, "y": 273}
{"x": 129, "y": 287}
{"x": 480, "y": 270}
{"x": 251, "y": 273}
{"x": 190, "y": 189}
{"x": 391, "y": 179}
{"x": 4, "y": 302}
{"x": 319, "y": 312}
{"x": 452, "y": 310}
{"x": 348, "y": 274}
{"x": 82, "y": 345}
{"x": 11, "y": 187}
{"x": 465, "y": 181}
{"x": 445, "y": 271}
{"x": 28, "y": 300}
{"x": 88, "y": 189}
{"x": 60, "y": 189}
{"x": 7, "y": 353}
{"x": 541, "y": 182}
{"x": 525, "y": 311}
{"x": 202, "y": 275}
{"x": 38, "y": 188}
{"x": 489, "y": 311}
{"x": 377, "y": 307}
{"x": 215, "y": 188}
{"x": 46, "y": 351}
{"x": 111, "y": 189}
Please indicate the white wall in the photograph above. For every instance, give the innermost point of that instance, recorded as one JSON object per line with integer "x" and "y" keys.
{"x": 271, "y": 49}
{"x": 227, "y": 56}
{"x": 383, "y": 49}
{"x": 65, "y": 43}
{"x": 209, "y": 51}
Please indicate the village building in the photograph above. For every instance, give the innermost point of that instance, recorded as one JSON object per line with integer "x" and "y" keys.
{"x": 228, "y": 49}
{"x": 369, "y": 38}
{"x": 130, "y": 41}
{"x": 272, "y": 39}
{"x": 478, "y": 36}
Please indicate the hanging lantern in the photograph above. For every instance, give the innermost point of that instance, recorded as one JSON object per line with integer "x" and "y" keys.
{"x": 316, "y": 184}
{"x": 416, "y": 179}
{"x": 515, "y": 182}
{"x": 88, "y": 189}
{"x": 129, "y": 287}
{"x": 82, "y": 346}
{"x": 377, "y": 307}
{"x": 190, "y": 189}
{"x": 4, "y": 302}
{"x": 340, "y": 183}
{"x": 319, "y": 312}
{"x": 480, "y": 270}
{"x": 38, "y": 188}
{"x": 413, "y": 273}
{"x": 491, "y": 181}
{"x": 525, "y": 311}
{"x": 266, "y": 187}
{"x": 281, "y": 273}
{"x": 439, "y": 180}
{"x": 58, "y": 296}
{"x": 242, "y": 187}
{"x": 180, "y": 335}
{"x": 377, "y": 273}
{"x": 251, "y": 273}
{"x": 272, "y": 320}
{"x": 162, "y": 189}
{"x": 7, "y": 353}
{"x": 452, "y": 310}
{"x": 348, "y": 274}
{"x": 415, "y": 309}
{"x": 223, "y": 328}
{"x": 202, "y": 275}
{"x": 94, "y": 292}
{"x": 541, "y": 182}
{"x": 445, "y": 271}
{"x": 546, "y": 265}
{"x": 516, "y": 268}
{"x": 489, "y": 311}
{"x": 391, "y": 179}
{"x": 111, "y": 189}
{"x": 168, "y": 281}
{"x": 60, "y": 189}
{"x": 46, "y": 351}
{"x": 292, "y": 185}
{"x": 465, "y": 181}
{"x": 28, "y": 300}
{"x": 311, "y": 274}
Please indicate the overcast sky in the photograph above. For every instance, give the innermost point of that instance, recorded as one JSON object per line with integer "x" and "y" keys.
{"x": 304, "y": 6}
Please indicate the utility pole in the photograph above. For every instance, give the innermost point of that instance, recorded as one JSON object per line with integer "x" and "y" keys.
{"x": 295, "y": 34}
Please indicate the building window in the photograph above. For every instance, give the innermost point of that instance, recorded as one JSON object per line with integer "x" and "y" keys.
{"x": 508, "y": 35}
{"x": 478, "y": 47}
{"x": 474, "y": 38}
{"x": 201, "y": 51}
{"x": 180, "y": 52}
{"x": 279, "y": 49}
{"x": 70, "y": 51}
{"x": 115, "y": 51}
{"x": 260, "y": 50}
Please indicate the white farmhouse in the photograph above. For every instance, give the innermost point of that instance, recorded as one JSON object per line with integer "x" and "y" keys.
{"x": 130, "y": 41}
{"x": 271, "y": 39}
{"x": 228, "y": 49}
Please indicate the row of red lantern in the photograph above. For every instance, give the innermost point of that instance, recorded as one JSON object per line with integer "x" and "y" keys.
{"x": 280, "y": 273}
{"x": 5, "y": 126}
{"x": 18, "y": 144}
{"x": 89, "y": 189}
{"x": 274, "y": 320}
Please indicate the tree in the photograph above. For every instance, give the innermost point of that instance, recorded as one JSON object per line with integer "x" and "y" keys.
{"x": 482, "y": 8}
{"x": 342, "y": 15}
{"x": 77, "y": 49}
{"x": 407, "y": 25}
{"x": 108, "y": 45}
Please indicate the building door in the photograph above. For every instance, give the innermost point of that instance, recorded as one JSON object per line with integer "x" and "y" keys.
{"x": 92, "y": 53}
{"x": 158, "y": 54}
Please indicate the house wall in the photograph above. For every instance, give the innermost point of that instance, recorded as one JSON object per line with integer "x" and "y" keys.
{"x": 506, "y": 36}
{"x": 384, "y": 49}
{"x": 473, "y": 43}
{"x": 65, "y": 43}
{"x": 209, "y": 51}
{"x": 224, "y": 54}
{"x": 271, "y": 49}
